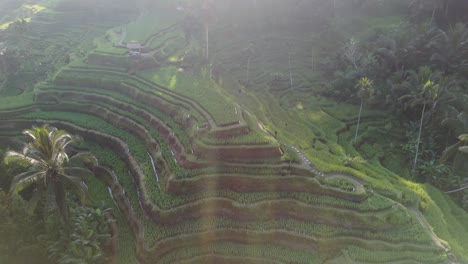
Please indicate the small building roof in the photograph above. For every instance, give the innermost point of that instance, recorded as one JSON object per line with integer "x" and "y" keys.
{"x": 134, "y": 45}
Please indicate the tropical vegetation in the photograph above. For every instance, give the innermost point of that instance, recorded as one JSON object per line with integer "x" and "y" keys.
{"x": 233, "y": 131}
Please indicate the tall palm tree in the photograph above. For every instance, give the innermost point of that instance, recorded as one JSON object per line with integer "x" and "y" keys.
{"x": 250, "y": 52}
{"x": 366, "y": 91}
{"x": 427, "y": 93}
{"x": 50, "y": 169}
{"x": 207, "y": 15}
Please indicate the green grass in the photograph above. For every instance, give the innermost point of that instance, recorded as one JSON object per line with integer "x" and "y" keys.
{"x": 203, "y": 91}
{"x": 15, "y": 102}
{"x": 138, "y": 149}
{"x": 102, "y": 107}
{"x": 448, "y": 221}
{"x": 378, "y": 256}
{"x": 99, "y": 194}
{"x": 110, "y": 80}
{"x": 108, "y": 158}
{"x": 236, "y": 249}
{"x": 147, "y": 24}
{"x": 320, "y": 128}
{"x": 343, "y": 184}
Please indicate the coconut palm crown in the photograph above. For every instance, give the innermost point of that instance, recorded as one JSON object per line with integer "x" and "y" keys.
{"x": 366, "y": 91}
{"x": 51, "y": 171}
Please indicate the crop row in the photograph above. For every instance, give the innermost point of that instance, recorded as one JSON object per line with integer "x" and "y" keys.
{"x": 374, "y": 203}
{"x": 84, "y": 93}
{"x": 149, "y": 97}
{"x": 79, "y": 75}
{"x": 408, "y": 232}
{"x": 284, "y": 183}
{"x": 196, "y": 211}
{"x": 229, "y": 225}
{"x": 231, "y": 181}
{"x": 149, "y": 86}
{"x": 121, "y": 115}
{"x": 201, "y": 90}
{"x": 362, "y": 255}
{"x": 301, "y": 210}
{"x": 141, "y": 130}
{"x": 241, "y": 253}
{"x": 150, "y": 94}
{"x": 89, "y": 122}
{"x": 326, "y": 246}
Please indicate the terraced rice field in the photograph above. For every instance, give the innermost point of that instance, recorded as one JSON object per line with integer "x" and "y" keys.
{"x": 199, "y": 175}
{"x": 211, "y": 204}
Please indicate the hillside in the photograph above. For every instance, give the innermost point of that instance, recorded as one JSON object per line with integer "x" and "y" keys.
{"x": 225, "y": 138}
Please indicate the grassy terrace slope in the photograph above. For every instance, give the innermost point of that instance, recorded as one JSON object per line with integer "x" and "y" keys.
{"x": 207, "y": 170}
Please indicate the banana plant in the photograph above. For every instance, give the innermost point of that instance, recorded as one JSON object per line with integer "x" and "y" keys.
{"x": 87, "y": 241}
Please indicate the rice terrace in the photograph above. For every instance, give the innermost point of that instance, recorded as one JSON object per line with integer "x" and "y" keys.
{"x": 233, "y": 131}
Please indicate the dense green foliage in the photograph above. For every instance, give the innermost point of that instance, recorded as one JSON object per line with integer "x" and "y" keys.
{"x": 50, "y": 169}
{"x": 47, "y": 171}
{"x": 235, "y": 131}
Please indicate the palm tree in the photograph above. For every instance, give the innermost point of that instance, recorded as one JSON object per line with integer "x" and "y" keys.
{"x": 207, "y": 15}
{"x": 423, "y": 6}
{"x": 460, "y": 147}
{"x": 451, "y": 151}
{"x": 428, "y": 92}
{"x": 393, "y": 49}
{"x": 366, "y": 90}
{"x": 50, "y": 169}
{"x": 250, "y": 52}
{"x": 454, "y": 152}
{"x": 450, "y": 47}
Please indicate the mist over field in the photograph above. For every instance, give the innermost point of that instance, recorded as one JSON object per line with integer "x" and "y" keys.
{"x": 233, "y": 131}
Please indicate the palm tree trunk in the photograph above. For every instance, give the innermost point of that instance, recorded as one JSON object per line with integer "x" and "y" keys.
{"x": 457, "y": 190}
{"x": 313, "y": 62}
{"x": 419, "y": 139}
{"x": 60, "y": 200}
{"x": 433, "y": 11}
{"x": 207, "y": 31}
{"x": 359, "y": 121}
{"x": 248, "y": 70}
{"x": 447, "y": 8}
{"x": 290, "y": 72}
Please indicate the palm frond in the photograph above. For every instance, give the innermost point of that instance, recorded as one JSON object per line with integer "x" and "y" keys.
{"x": 449, "y": 152}
{"x": 463, "y": 137}
{"x": 78, "y": 172}
{"x": 25, "y": 179}
{"x": 463, "y": 149}
{"x": 84, "y": 157}
{"x": 36, "y": 197}
{"x": 451, "y": 123}
{"x": 76, "y": 185}
{"x": 30, "y": 133}
{"x": 16, "y": 157}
